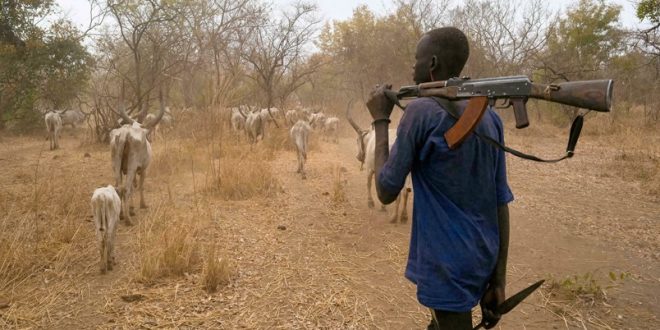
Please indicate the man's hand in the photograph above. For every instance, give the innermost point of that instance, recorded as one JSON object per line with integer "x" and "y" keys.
{"x": 493, "y": 297}
{"x": 379, "y": 104}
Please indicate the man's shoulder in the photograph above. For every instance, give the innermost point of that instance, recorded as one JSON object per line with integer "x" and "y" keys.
{"x": 425, "y": 108}
{"x": 424, "y": 104}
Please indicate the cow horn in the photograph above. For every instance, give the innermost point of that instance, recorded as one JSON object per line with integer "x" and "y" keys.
{"x": 241, "y": 111}
{"x": 123, "y": 115}
{"x": 122, "y": 109}
{"x": 350, "y": 120}
{"x": 160, "y": 114}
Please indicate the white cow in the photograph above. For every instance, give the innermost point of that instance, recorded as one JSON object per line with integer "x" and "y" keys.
{"x": 266, "y": 117}
{"x": 317, "y": 120}
{"x": 165, "y": 122}
{"x": 237, "y": 120}
{"x": 53, "y": 125}
{"x": 366, "y": 142}
{"x": 254, "y": 125}
{"x": 72, "y": 117}
{"x": 106, "y": 207}
{"x": 299, "y": 136}
{"x": 331, "y": 128}
{"x": 131, "y": 155}
{"x": 291, "y": 117}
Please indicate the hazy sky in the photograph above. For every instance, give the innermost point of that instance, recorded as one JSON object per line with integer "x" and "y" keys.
{"x": 78, "y": 10}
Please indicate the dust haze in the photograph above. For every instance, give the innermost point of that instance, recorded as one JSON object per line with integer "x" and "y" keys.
{"x": 256, "y": 210}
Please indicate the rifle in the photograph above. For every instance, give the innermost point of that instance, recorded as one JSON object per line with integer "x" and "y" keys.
{"x": 515, "y": 90}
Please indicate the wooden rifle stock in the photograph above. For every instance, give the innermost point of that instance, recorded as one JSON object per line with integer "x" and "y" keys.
{"x": 591, "y": 94}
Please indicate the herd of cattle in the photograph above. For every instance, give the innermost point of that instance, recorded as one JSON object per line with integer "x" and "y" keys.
{"x": 131, "y": 153}
{"x": 255, "y": 121}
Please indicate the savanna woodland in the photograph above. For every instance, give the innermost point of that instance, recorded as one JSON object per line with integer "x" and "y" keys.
{"x": 229, "y": 235}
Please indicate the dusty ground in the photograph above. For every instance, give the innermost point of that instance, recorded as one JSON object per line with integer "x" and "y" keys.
{"x": 333, "y": 263}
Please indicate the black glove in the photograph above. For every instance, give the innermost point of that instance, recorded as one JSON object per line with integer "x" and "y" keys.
{"x": 380, "y": 102}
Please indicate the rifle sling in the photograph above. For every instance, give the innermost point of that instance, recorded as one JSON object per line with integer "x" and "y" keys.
{"x": 576, "y": 128}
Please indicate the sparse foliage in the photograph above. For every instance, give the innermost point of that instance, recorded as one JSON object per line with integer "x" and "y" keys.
{"x": 276, "y": 53}
{"x": 42, "y": 66}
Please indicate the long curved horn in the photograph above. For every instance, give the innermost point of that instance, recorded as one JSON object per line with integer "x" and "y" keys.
{"x": 122, "y": 113}
{"x": 241, "y": 112}
{"x": 350, "y": 120}
{"x": 160, "y": 114}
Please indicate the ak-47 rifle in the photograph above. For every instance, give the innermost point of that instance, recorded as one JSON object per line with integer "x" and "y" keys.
{"x": 516, "y": 90}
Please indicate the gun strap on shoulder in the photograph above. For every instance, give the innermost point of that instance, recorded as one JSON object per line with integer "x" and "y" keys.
{"x": 576, "y": 128}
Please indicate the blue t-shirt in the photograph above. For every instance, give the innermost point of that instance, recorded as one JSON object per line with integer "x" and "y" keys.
{"x": 455, "y": 240}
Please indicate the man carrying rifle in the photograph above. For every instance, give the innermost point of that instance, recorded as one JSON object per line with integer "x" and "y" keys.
{"x": 460, "y": 230}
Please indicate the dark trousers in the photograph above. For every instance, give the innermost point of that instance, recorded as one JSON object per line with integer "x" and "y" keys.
{"x": 443, "y": 320}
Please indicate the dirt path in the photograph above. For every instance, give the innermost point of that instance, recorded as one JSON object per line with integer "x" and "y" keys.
{"x": 314, "y": 256}
{"x": 545, "y": 243}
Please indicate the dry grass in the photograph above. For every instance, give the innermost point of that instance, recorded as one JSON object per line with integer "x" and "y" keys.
{"x": 40, "y": 223}
{"x": 190, "y": 240}
{"x": 338, "y": 195}
{"x": 243, "y": 177}
{"x": 168, "y": 245}
{"x": 46, "y": 238}
{"x": 216, "y": 270}
{"x": 636, "y": 144}
{"x": 277, "y": 139}
{"x": 637, "y": 158}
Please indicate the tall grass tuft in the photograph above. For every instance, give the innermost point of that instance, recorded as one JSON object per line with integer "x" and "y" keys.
{"x": 338, "y": 192}
{"x": 243, "y": 175}
{"x": 216, "y": 271}
{"x": 167, "y": 247}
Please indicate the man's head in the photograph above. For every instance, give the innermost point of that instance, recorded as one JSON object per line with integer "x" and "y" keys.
{"x": 441, "y": 54}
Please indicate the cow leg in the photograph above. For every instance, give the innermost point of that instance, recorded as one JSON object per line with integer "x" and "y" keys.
{"x": 112, "y": 257}
{"x": 302, "y": 166}
{"x": 117, "y": 173}
{"x": 299, "y": 162}
{"x": 143, "y": 205}
{"x": 396, "y": 210}
{"x": 111, "y": 253}
{"x": 370, "y": 200}
{"x": 125, "y": 209}
{"x": 404, "y": 213}
{"x": 127, "y": 202}
{"x": 103, "y": 265}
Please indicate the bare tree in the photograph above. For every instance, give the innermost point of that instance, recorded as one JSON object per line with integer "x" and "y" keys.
{"x": 508, "y": 34}
{"x": 423, "y": 15}
{"x": 228, "y": 27}
{"x": 277, "y": 51}
{"x": 136, "y": 23}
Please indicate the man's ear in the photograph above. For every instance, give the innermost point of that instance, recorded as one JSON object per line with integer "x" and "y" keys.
{"x": 434, "y": 63}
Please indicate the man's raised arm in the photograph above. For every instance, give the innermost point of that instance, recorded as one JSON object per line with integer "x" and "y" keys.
{"x": 380, "y": 107}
